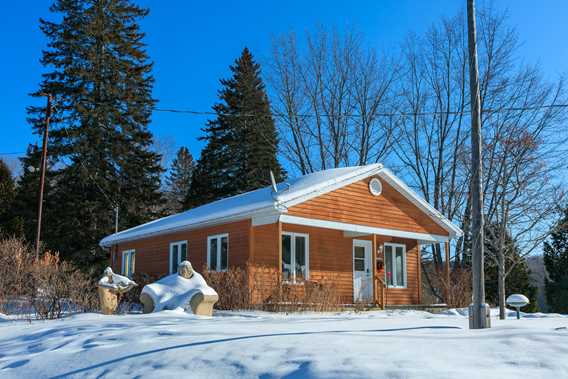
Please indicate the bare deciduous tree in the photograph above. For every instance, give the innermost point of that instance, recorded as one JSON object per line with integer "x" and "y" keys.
{"x": 330, "y": 98}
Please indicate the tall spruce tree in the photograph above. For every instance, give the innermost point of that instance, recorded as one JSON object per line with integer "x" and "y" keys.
{"x": 242, "y": 141}
{"x": 556, "y": 264}
{"x": 179, "y": 180}
{"x": 7, "y": 196}
{"x": 100, "y": 76}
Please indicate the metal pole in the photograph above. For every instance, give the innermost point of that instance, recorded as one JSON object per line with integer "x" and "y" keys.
{"x": 447, "y": 270}
{"x": 479, "y": 311}
{"x": 42, "y": 176}
{"x": 116, "y": 219}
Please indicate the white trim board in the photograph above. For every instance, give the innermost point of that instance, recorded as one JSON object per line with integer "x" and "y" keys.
{"x": 354, "y": 228}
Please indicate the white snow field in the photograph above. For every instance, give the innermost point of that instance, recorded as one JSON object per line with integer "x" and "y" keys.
{"x": 381, "y": 344}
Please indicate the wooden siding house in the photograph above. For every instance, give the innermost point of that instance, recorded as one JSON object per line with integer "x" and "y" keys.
{"x": 360, "y": 227}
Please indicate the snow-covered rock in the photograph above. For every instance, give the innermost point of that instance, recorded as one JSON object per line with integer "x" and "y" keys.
{"x": 175, "y": 291}
{"x": 116, "y": 282}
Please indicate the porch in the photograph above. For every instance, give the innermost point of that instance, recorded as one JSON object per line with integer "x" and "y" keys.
{"x": 371, "y": 266}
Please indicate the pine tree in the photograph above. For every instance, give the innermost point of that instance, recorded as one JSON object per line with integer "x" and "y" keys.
{"x": 242, "y": 141}
{"x": 179, "y": 179}
{"x": 100, "y": 145}
{"x": 7, "y": 195}
{"x": 556, "y": 264}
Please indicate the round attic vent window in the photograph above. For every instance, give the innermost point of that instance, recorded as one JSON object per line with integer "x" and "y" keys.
{"x": 375, "y": 187}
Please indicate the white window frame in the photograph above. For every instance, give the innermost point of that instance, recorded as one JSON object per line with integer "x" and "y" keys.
{"x": 127, "y": 254}
{"x": 293, "y": 255}
{"x": 218, "y": 253}
{"x": 393, "y": 260}
{"x": 178, "y": 244}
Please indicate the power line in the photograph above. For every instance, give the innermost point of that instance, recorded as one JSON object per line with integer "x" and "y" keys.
{"x": 356, "y": 115}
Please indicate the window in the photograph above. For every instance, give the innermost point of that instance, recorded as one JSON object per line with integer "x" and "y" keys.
{"x": 295, "y": 257}
{"x": 178, "y": 254}
{"x": 128, "y": 262}
{"x": 395, "y": 265}
{"x": 218, "y": 252}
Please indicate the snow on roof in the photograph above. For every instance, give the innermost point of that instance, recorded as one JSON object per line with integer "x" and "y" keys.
{"x": 259, "y": 201}
{"x": 241, "y": 206}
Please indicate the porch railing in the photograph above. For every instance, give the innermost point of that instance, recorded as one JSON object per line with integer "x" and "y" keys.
{"x": 380, "y": 292}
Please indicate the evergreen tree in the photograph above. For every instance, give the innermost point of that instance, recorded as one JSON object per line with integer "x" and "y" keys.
{"x": 100, "y": 145}
{"x": 24, "y": 206}
{"x": 179, "y": 179}
{"x": 556, "y": 263}
{"x": 242, "y": 141}
{"x": 7, "y": 195}
{"x": 517, "y": 280}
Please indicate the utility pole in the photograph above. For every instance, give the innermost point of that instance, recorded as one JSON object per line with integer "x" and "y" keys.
{"x": 479, "y": 310}
{"x": 42, "y": 174}
{"x": 116, "y": 219}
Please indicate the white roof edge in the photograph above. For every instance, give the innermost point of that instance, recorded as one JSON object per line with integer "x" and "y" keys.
{"x": 426, "y": 237}
{"x": 417, "y": 200}
{"x": 115, "y": 238}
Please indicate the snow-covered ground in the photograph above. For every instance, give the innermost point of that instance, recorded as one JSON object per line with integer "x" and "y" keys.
{"x": 382, "y": 344}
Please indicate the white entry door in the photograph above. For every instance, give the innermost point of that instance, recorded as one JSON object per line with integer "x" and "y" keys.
{"x": 362, "y": 271}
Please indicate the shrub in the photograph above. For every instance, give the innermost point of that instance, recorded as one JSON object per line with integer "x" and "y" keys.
{"x": 46, "y": 288}
{"x": 232, "y": 288}
{"x": 306, "y": 296}
{"x": 457, "y": 292}
{"x": 15, "y": 260}
{"x": 60, "y": 288}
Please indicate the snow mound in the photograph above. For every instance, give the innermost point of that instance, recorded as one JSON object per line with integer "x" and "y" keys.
{"x": 175, "y": 291}
{"x": 114, "y": 281}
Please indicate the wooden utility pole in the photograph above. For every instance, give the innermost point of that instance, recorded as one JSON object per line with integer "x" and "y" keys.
{"x": 478, "y": 311}
{"x": 42, "y": 175}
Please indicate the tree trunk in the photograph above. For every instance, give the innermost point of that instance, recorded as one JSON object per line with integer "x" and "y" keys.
{"x": 501, "y": 285}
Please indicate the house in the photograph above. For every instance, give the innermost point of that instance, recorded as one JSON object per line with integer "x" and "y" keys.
{"x": 360, "y": 227}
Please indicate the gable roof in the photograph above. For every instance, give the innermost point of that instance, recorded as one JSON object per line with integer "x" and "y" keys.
{"x": 264, "y": 201}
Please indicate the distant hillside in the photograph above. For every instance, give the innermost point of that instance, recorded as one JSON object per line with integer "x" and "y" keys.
{"x": 538, "y": 273}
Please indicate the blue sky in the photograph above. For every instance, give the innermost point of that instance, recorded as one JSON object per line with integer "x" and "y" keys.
{"x": 193, "y": 42}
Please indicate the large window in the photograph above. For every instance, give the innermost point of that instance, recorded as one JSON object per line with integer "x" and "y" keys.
{"x": 128, "y": 262}
{"x": 218, "y": 252}
{"x": 178, "y": 254}
{"x": 395, "y": 265}
{"x": 295, "y": 257}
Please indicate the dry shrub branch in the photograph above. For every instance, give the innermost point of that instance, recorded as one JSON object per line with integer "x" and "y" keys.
{"x": 47, "y": 288}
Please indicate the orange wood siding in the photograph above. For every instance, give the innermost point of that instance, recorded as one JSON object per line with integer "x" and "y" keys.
{"x": 330, "y": 260}
{"x": 410, "y": 294}
{"x": 152, "y": 253}
{"x": 354, "y": 204}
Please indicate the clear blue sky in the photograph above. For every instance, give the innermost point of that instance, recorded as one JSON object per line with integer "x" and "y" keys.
{"x": 193, "y": 42}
